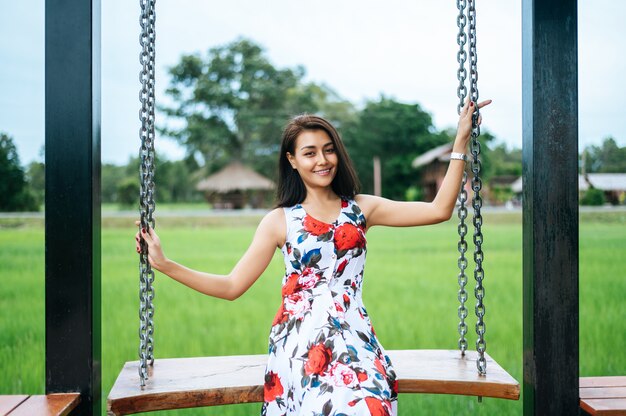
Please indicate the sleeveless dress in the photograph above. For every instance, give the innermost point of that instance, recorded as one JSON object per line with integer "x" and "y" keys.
{"x": 324, "y": 357}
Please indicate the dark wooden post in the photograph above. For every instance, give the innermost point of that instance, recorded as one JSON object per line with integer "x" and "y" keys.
{"x": 550, "y": 198}
{"x": 72, "y": 110}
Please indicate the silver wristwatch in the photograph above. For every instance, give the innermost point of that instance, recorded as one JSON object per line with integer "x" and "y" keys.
{"x": 458, "y": 156}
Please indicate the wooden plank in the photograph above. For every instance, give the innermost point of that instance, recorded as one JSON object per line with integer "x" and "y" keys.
{"x": 447, "y": 372}
{"x": 10, "y": 402}
{"x": 58, "y": 404}
{"x": 189, "y": 382}
{"x": 208, "y": 381}
{"x": 603, "y": 393}
{"x": 604, "y": 407}
{"x": 610, "y": 381}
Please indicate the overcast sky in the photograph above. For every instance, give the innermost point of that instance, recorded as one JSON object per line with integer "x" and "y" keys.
{"x": 362, "y": 49}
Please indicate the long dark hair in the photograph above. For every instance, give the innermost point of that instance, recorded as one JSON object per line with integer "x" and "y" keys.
{"x": 291, "y": 189}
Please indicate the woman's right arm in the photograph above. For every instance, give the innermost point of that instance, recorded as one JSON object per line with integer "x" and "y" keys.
{"x": 269, "y": 235}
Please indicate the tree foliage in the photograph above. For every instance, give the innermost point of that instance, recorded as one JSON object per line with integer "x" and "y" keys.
{"x": 15, "y": 194}
{"x": 606, "y": 158}
{"x": 496, "y": 158}
{"x": 175, "y": 181}
{"x": 395, "y": 132}
{"x": 234, "y": 103}
{"x": 36, "y": 178}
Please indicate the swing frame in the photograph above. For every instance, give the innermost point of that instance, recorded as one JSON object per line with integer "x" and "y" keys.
{"x": 550, "y": 157}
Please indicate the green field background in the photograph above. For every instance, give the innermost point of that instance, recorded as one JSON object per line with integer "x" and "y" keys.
{"x": 410, "y": 291}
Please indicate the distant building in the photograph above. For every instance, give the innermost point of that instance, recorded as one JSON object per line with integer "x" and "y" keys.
{"x": 612, "y": 184}
{"x": 434, "y": 164}
{"x": 236, "y": 186}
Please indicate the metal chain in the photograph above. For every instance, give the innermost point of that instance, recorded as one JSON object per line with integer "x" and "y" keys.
{"x": 479, "y": 290}
{"x": 146, "y": 171}
{"x": 461, "y": 56}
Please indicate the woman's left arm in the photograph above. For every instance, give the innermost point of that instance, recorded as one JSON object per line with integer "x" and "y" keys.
{"x": 382, "y": 211}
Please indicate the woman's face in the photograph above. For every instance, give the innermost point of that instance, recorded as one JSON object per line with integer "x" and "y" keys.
{"x": 314, "y": 158}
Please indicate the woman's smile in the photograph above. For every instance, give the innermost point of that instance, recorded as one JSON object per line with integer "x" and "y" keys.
{"x": 323, "y": 172}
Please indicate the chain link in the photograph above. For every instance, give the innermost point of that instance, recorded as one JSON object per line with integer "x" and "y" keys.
{"x": 461, "y": 40}
{"x": 467, "y": 17}
{"x": 146, "y": 176}
{"x": 461, "y": 56}
{"x": 479, "y": 290}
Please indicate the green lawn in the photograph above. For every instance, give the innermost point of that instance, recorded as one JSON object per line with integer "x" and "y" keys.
{"x": 410, "y": 291}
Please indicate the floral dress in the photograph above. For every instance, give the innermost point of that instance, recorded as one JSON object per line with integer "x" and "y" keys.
{"x": 324, "y": 357}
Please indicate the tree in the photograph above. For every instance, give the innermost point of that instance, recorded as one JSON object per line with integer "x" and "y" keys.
{"x": 607, "y": 158}
{"x": 128, "y": 192}
{"x": 395, "y": 132}
{"x": 502, "y": 160}
{"x": 111, "y": 178}
{"x": 234, "y": 103}
{"x": 175, "y": 181}
{"x": 495, "y": 159}
{"x": 36, "y": 178}
{"x": 14, "y": 192}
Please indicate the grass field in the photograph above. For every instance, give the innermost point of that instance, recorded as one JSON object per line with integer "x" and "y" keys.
{"x": 410, "y": 292}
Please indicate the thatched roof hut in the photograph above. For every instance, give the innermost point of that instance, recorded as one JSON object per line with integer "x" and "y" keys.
{"x": 235, "y": 186}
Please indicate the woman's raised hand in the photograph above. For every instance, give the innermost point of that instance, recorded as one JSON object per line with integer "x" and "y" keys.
{"x": 465, "y": 119}
{"x": 156, "y": 257}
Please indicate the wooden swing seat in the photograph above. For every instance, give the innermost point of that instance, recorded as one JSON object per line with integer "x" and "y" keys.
{"x": 57, "y": 404}
{"x": 209, "y": 381}
{"x": 603, "y": 395}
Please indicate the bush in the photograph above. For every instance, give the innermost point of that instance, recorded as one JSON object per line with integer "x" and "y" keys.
{"x": 593, "y": 196}
{"x": 128, "y": 192}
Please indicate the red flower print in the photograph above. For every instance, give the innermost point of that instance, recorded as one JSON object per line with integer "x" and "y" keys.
{"x": 346, "y": 300}
{"x": 342, "y": 375}
{"x": 297, "y": 305}
{"x": 379, "y": 366}
{"x": 318, "y": 359}
{"x": 308, "y": 279}
{"x": 281, "y": 315}
{"x": 377, "y": 407}
{"x": 395, "y": 386}
{"x": 315, "y": 227}
{"x": 353, "y": 402}
{"x": 291, "y": 284}
{"x": 341, "y": 313}
{"x": 272, "y": 388}
{"x": 341, "y": 267}
{"x": 344, "y": 203}
{"x": 347, "y": 237}
{"x": 362, "y": 376}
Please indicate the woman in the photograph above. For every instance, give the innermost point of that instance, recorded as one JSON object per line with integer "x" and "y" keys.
{"x": 324, "y": 356}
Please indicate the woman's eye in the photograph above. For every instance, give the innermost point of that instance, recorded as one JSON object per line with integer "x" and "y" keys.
{"x": 330, "y": 150}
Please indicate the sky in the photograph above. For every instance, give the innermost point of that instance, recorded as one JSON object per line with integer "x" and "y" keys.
{"x": 362, "y": 49}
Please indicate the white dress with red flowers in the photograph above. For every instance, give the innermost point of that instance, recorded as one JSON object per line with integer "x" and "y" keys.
{"x": 324, "y": 357}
